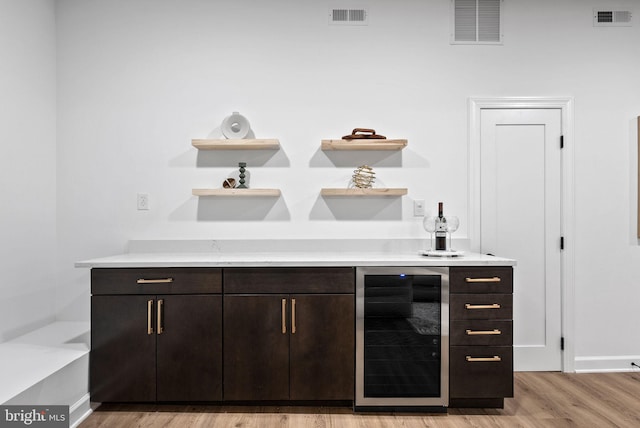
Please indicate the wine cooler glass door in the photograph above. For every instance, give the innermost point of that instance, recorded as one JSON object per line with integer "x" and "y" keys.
{"x": 402, "y": 335}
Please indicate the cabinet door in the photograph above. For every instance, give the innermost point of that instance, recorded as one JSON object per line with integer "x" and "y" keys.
{"x": 322, "y": 347}
{"x": 256, "y": 347}
{"x": 123, "y": 349}
{"x": 189, "y": 348}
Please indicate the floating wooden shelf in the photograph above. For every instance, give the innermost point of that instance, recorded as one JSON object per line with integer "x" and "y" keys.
{"x": 364, "y": 144}
{"x": 244, "y": 144}
{"x": 364, "y": 192}
{"x": 236, "y": 192}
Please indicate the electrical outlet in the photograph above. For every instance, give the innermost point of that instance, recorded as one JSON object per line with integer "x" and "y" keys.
{"x": 143, "y": 201}
{"x": 418, "y": 208}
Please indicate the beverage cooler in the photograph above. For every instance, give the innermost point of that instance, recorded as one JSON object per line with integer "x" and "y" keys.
{"x": 402, "y": 338}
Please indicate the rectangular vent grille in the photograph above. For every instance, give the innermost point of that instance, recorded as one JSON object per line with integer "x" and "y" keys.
{"x": 339, "y": 16}
{"x": 612, "y": 18}
{"x": 476, "y": 22}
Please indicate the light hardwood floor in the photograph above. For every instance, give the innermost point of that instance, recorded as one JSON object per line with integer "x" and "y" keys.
{"x": 541, "y": 400}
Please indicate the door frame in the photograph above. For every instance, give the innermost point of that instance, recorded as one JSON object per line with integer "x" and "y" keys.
{"x": 567, "y": 256}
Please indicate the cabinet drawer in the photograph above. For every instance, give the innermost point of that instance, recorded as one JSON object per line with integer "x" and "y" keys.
{"x": 490, "y": 279}
{"x": 479, "y": 332}
{"x": 156, "y": 280}
{"x": 481, "y": 371}
{"x": 480, "y": 306}
{"x": 289, "y": 280}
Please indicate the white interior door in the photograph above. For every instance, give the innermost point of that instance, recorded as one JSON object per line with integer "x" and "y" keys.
{"x": 520, "y": 218}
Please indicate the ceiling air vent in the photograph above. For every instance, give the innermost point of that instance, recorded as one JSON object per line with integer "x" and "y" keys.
{"x": 611, "y": 18}
{"x": 338, "y": 16}
{"x": 476, "y": 21}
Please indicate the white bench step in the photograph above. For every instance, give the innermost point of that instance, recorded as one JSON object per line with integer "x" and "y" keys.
{"x": 33, "y": 357}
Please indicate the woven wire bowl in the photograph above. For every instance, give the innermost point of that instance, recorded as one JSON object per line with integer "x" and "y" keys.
{"x": 363, "y": 177}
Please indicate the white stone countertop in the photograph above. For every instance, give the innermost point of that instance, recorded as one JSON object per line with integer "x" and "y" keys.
{"x": 288, "y": 259}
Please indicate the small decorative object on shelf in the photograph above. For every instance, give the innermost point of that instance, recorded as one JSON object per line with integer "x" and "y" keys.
{"x": 364, "y": 134}
{"x": 364, "y": 139}
{"x": 242, "y": 166}
{"x": 363, "y": 177}
{"x": 235, "y": 126}
{"x": 229, "y": 183}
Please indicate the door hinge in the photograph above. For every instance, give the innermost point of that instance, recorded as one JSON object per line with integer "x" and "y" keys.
{"x": 562, "y": 242}
{"x": 562, "y": 343}
{"x": 562, "y": 141}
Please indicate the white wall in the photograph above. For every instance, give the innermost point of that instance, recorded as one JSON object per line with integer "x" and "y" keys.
{"x": 27, "y": 165}
{"x": 137, "y": 80}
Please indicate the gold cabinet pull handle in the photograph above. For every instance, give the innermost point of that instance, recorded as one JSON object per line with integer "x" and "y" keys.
{"x": 149, "y": 316}
{"x": 160, "y": 316}
{"x": 476, "y": 280}
{"x": 483, "y": 332}
{"x": 495, "y": 358}
{"x": 155, "y": 281}
{"x": 492, "y": 306}
{"x": 284, "y": 316}
{"x": 293, "y": 316}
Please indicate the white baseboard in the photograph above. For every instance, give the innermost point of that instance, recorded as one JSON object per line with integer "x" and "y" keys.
{"x": 606, "y": 364}
{"x": 79, "y": 411}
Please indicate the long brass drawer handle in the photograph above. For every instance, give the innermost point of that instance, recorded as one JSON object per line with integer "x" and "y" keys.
{"x": 475, "y": 280}
{"x": 284, "y": 316}
{"x": 484, "y": 359}
{"x": 492, "y": 306}
{"x": 155, "y": 281}
{"x": 160, "y": 327}
{"x": 149, "y": 316}
{"x": 483, "y": 332}
{"x": 293, "y": 316}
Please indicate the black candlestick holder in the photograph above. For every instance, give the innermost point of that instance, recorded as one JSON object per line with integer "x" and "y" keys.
{"x": 242, "y": 165}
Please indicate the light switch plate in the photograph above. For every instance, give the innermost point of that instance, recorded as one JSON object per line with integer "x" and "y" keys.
{"x": 418, "y": 208}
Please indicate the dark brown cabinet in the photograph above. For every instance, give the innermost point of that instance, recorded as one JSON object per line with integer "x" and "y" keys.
{"x": 122, "y": 359}
{"x": 322, "y": 348}
{"x": 256, "y": 352}
{"x": 156, "y": 347}
{"x": 274, "y": 334}
{"x": 280, "y": 345}
{"x": 481, "y": 336}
